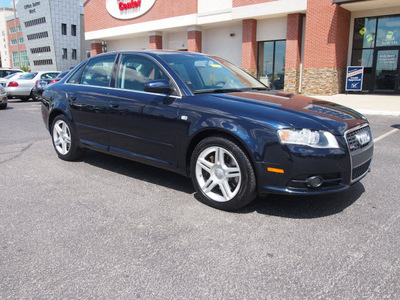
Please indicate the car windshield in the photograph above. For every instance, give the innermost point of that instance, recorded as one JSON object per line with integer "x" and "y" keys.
{"x": 206, "y": 74}
{"x": 28, "y": 76}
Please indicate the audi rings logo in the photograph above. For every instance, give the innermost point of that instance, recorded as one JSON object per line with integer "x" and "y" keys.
{"x": 363, "y": 138}
{"x": 128, "y": 9}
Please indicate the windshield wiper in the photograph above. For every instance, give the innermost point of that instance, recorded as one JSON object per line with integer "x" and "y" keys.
{"x": 218, "y": 91}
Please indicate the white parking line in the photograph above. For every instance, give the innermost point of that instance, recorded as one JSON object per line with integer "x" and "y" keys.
{"x": 386, "y": 135}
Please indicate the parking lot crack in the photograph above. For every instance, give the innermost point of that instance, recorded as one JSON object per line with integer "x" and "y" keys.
{"x": 18, "y": 153}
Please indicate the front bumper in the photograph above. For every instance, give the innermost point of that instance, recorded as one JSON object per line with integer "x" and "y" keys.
{"x": 337, "y": 169}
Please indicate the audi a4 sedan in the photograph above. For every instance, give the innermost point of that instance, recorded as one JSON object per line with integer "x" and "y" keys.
{"x": 203, "y": 117}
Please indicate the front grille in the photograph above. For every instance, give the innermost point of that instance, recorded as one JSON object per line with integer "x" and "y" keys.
{"x": 352, "y": 140}
{"x": 360, "y": 170}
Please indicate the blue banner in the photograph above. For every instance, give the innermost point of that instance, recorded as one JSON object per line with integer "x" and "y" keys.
{"x": 354, "y": 78}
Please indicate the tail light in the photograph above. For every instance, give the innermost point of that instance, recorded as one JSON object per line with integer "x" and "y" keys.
{"x": 13, "y": 84}
{"x": 36, "y": 83}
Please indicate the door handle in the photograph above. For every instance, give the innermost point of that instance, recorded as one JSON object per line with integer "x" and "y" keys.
{"x": 114, "y": 104}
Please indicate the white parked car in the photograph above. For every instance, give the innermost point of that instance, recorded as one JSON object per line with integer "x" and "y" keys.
{"x": 21, "y": 88}
{"x": 5, "y": 80}
{"x": 3, "y": 98}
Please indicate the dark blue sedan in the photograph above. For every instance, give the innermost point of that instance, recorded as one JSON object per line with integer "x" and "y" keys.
{"x": 203, "y": 117}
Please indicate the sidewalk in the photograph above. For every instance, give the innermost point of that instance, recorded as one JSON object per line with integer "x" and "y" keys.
{"x": 367, "y": 104}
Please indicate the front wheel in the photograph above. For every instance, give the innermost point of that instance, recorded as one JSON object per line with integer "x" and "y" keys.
{"x": 65, "y": 141}
{"x": 222, "y": 174}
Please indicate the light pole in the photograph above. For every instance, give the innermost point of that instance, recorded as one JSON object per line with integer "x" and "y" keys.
{"x": 16, "y": 31}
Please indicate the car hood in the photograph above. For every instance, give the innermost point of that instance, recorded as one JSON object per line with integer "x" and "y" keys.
{"x": 298, "y": 109}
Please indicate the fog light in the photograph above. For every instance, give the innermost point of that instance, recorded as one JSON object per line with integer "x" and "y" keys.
{"x": 314, "y": 181}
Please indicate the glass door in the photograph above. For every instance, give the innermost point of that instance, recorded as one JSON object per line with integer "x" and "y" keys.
{"x": 387, "y": 71}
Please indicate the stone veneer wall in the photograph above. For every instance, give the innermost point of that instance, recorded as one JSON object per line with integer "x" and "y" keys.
{"x": 292, "y": 80}
{"x": 328, "y": 81}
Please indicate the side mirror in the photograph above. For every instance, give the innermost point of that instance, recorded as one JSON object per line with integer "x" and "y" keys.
{"x": 160, "y": 86}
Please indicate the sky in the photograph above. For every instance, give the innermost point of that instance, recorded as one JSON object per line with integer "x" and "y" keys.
{"x": 6, "y": 3}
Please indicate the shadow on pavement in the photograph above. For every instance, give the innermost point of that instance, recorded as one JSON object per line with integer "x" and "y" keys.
{"x": 139, "y": 171}
{"x": 305, "y": 207}
{"x": 295, "y": 207}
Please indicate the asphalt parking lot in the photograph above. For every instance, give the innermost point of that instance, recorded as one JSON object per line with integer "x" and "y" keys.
{"x": 108, "y": 228}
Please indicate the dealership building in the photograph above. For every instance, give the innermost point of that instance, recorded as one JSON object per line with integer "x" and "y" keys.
{"x": 300, "y": 46}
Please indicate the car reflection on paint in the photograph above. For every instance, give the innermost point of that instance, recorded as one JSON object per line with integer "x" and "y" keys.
{"x": 203, "y": 117}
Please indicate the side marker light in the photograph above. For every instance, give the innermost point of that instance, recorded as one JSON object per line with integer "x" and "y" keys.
{"x": 275, "y": 170}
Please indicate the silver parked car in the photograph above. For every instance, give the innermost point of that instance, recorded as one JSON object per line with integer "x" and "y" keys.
{"x": 3, "y": 98}
{"x": 22, "y": 87}
{"x": 5, "y": 80}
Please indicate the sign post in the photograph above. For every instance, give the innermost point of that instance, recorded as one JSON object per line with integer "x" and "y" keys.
{"x": 354, "y": 78}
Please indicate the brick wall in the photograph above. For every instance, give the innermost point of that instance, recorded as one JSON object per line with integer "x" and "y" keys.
{"x": 194, "y": 41}
{"x": 155, "y": 42}
{"x": 238, "y": 3}
{"x": 326, "y": 46}
{"x": 96, "y": 48}
{"x": 161, "y": 9}
{"x": 13, "y": 36}
{"x": 293, "y": 52}
{"x": 249, "y": 46}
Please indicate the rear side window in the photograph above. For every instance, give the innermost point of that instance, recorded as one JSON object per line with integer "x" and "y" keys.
{"x": 98, "y": 71}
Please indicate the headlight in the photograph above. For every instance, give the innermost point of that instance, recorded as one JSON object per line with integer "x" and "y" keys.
{"x": 2, "y": 90}
{"x": 307, "y": 137}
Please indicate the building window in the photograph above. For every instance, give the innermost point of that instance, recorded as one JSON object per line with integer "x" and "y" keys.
{"x": 73, "y": 30}
{"x": 13, "y": 42}
{"x": 35, "y": 22}
{"x": 64, "y": 29}
{"x": 64, "y": 53}
{"x": 36, "y": 36}
{"x": 40, "y": 50}
{"x": 74, "y": 54}
{"x": 43, "y": 62}
{"x": 271, "y": 64}
{"x": 24, "y": 59}
{"x": 88, "y": 54}
{"x": 12, "y": 30}
{"x": 371, "y": 39}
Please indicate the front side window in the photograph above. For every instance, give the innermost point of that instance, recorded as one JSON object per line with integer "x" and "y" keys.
{"x": 137, "y": 70}
{"x": 98, "y": 71}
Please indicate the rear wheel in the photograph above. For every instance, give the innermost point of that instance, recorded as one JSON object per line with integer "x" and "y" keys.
{"x": 3, "y": 106}
{"x": 65, "y": 141}
{"x": 222, "y": 174}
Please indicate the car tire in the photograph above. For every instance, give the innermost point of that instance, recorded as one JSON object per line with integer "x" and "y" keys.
{"x": 222, "y": 174}
{"x": 64, "y": 139}
{"x": 3, "y": 106}
{"x": 34, "y": 98}
{"x": 24, "y": 99}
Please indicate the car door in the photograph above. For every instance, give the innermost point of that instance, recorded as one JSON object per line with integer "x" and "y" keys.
{"x": 87, "y": 94}
{"x": 142, "y": 124}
